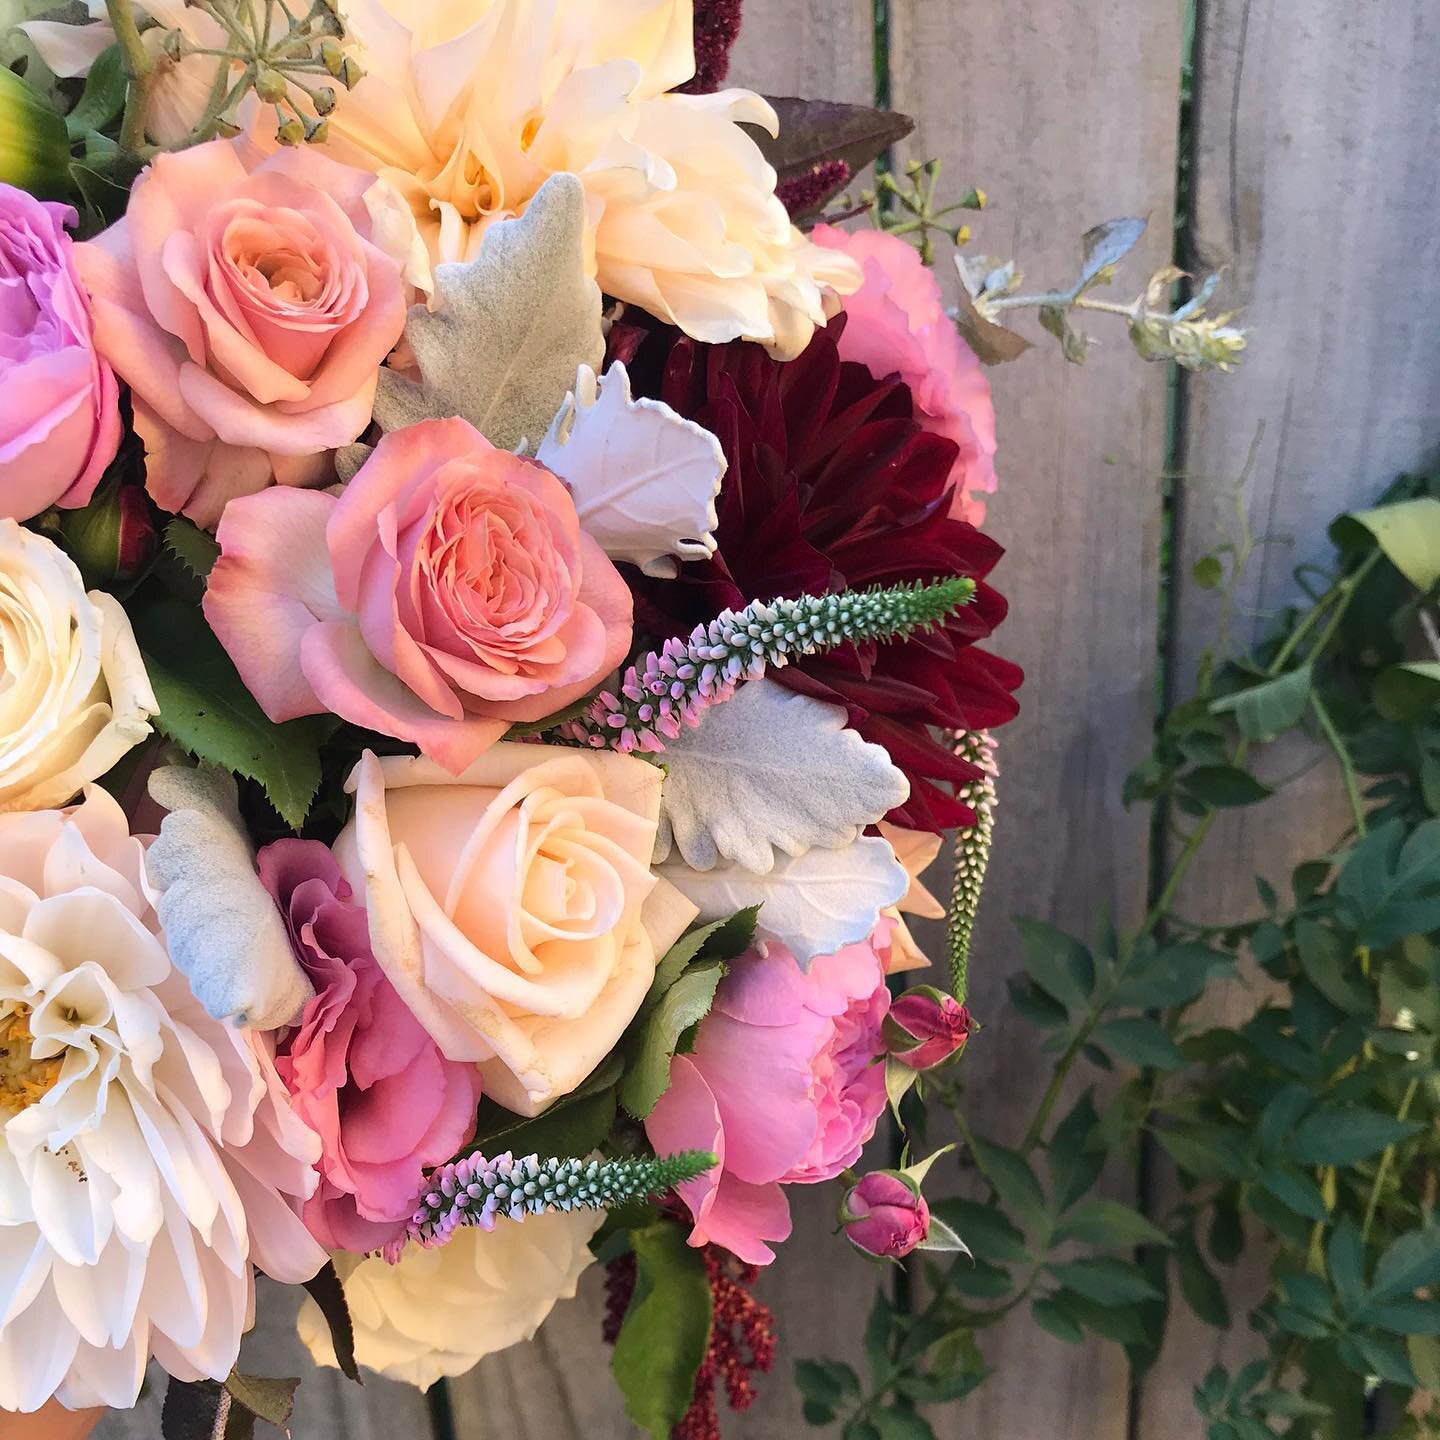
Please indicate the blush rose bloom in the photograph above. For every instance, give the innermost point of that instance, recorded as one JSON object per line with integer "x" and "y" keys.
{"x": 513, "y": 907}
{"x": 898, "y": 326}
{"x": 446, "y": 594}
{"x": 249, "y": 311}
{"x": 440, "y": 1311}
{"x": 74, "y": 695}
{"x": 360, "y": 1070}
{"x": 782, "y": 1086}
{"x": 60, "y": 420}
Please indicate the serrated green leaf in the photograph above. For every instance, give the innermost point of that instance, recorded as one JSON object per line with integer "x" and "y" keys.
{"x": 1058, "y": 963}
{"x": 984, "y": 1229}
{"x": 206, "y": 709}
{"x": 687, "y": 1002}
{"x": 195, "y": 548}
{"x": 1106, "y": 1222}
{"x": 719, "y": 940}
{"x": 1141, "y": 1041}
{"x": 666, "y": 1331}
{"x": 1330, "y": 1135}
{"x": 575, "y": 1125}
{"x": 1104, "y": 1279}
{"x": 1051, "y": 1314}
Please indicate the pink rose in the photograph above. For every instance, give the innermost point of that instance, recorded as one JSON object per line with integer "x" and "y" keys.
{"x": 59, "y": 422}
{"x": 361, "y": 1071}
{"x": 898, "y": 326}
{"x": 249, "y": 312}
{"x": 887, "y": 1215}
{"x": 926, "y": 1028}
{"x": 781, "y": 1085}
{"x": 446, "y": 594}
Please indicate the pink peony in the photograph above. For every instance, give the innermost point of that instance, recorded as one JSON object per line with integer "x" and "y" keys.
{"x": 448, "y": 593}
{"x": 782, "y": 1085}
{"x": 249, "y": 312}
{"x": 60, "y": 422}
{"x": 887, "y": 1216}
{"x": 360, "y": 1070}
{"x": 899, "y": 327}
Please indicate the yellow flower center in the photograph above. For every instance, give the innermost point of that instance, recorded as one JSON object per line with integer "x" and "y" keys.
{"x": 24, "y": 1080}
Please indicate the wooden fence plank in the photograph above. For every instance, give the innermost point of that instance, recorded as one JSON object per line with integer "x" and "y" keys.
{"x": 1316, "y": 186}
{"x": 1066, "y": 115}
{"x": 559, "y": 1385}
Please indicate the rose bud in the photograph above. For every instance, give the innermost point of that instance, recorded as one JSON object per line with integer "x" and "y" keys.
{"x": 885, "y": 1215}
{"x": 926, "y": 1028}
{"x": 113, "y": 538}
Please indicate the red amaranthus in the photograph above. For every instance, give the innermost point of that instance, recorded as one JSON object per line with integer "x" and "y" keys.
{"x": 742, "y": 1338}
{"x": 833, "y": 485}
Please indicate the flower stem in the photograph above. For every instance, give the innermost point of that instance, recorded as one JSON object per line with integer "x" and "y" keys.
{"x": 1382, "y": 1171}
{"x": 139, "y": 69}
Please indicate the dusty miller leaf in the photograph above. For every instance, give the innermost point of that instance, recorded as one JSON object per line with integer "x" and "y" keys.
{"x": 644, "y": 479}
{"x": 772, "y": 770}
{"x": 509, "y": 329}
{"x": 1105, "y": 245}
{"x": 814, "y": 905}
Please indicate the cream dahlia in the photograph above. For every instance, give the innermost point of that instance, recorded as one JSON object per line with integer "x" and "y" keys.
{"x": 468, "y": 108}
{"x": 148, "y": 1158}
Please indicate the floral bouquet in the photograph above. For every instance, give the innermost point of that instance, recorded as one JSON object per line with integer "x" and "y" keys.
{"x": 493, "y": 613}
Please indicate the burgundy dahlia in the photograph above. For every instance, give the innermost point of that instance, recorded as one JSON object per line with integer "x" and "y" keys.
{"x": 833, "y": 485}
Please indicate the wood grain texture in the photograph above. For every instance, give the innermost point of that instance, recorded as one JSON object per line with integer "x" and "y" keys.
{"x": 1317, "y": 188}
{"x": 1066, "y": 116}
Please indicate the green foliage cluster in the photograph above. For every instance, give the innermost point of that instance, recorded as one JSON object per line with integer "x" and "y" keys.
{"x": 1302, "y": 1141}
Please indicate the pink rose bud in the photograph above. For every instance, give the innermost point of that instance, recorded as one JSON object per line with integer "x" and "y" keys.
{"x": 926, "y": 1027}
{"x": 885, "y": 1215}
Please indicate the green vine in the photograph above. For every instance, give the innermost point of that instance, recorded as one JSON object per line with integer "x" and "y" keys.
{"x": 1305, "y": 1141}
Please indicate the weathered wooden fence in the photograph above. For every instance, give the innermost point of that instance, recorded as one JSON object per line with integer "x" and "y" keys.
{"x": 1314, "y": 159}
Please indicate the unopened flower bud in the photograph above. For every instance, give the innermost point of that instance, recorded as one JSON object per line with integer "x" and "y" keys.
{"x": 113, "y": 537}
{"x": 317, "y": 132}
{"x": 350, "y": 74}
{"x": 926, "y": 1028}
{"x": 324, "y": 99}
{"x": 292, "y": 132}
{"x": 270, "y": 86}
{"x": 174, "y": 46}
{"x": 885, "y": 1215}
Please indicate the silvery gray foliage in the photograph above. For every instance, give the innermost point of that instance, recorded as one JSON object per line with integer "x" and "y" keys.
{"x": 509, "y": 329}
{"x": 223, "y": 929}
{"x": 771, "y": 771}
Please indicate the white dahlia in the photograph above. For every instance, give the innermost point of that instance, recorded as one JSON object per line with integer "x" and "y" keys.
{"x": 468, "y": 108}
{"x": 147, "y": 1156}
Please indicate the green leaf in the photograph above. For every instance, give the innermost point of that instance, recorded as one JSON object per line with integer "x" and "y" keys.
{"x": 1058, "y": 963}
{"x": 1120, "y": 1323}
{"x": 1345, "y": 1258}
{"x": 272, "y": 1401}
{"x": 1171, "y": 978}
{"x": 1208, "y": 572}
{"x": 1105, "y": 1222}
{"x": 1408, "y": 533}
{"x": 1330, "y": 1135}
{"x": 687, "y": 1002}
{"x": 1404, "y": 1317}
{"x": 1207, "y": 1155}
{"x": 198, "y": 1410}
{"x": 1053, "y": 1315}
{"x": 575, "y": 1125}
{"x": 1386, "y": 1357}
{"x": 1390, "y": 885}
{"x": 899, "y": 1424}
{"x": 1424, "y": 1353}
{"x": 1014, "y": 1182}
{"x": 1404, "y": 692}
{"x": 826, "y": 1381}
{"x": 1265, "y": 710}
{"x": 1412, "y": 1260}
{"x": 666, "y": 1332}
{"x": 1104, "y": 1279}
{"x": 193, "y": 547}
{"x": 1199, "y": 1286}
{"x": 1332, "y": 967}
{"x": 984, "y": 1229}
{"x": 719, "y": 940}
{"x": 1141, "y": 1041}
{"x": 1076, "y": 1153}
{"x": 205, "y": 707}
{"x": 34, "y": 148}
{"x": 103, "y": 97}
{"x": 1296, "y": 1191}
{"x": 325, "y": 1289}
{"x": 1224, "y": 787}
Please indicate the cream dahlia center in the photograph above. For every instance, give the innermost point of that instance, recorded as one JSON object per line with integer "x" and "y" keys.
{"x": 24, "y": 1079}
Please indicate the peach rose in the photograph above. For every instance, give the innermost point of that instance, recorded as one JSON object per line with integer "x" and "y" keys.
{"x": 446, "y": 594}
{"x": 513, "y": 907}
{"x": 249, "y": 311}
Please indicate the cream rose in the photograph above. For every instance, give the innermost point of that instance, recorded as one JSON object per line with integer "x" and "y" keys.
{"x": 513, "y": 905}
{"x": 439, "y": 1312}
{"x": 74, "y": 696}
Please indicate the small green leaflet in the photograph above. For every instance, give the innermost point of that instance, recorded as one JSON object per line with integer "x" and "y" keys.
{"x": 1266, "y": 709}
